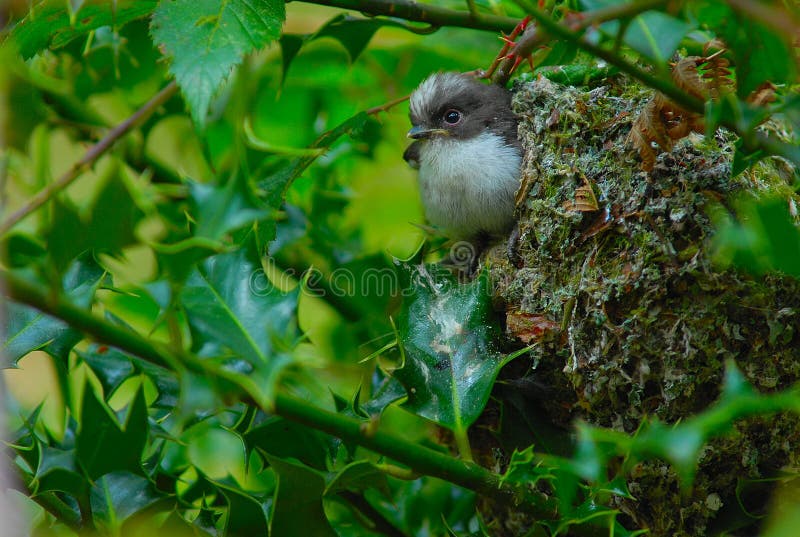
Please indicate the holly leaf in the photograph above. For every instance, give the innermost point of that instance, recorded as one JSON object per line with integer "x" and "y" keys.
{"x": 206, "y": 39}
{"x": 52, "y": 23}
{"x": 283, "y": 438}
{"x": 447, "y": 333}
{"x": 359, "y": 476}
{"x": 117, "y": 496}
{"x": 246, "y": 516}
{"x": 112, "y": 367}
{"x": 102, "y": 445}
{"x": 239, "y": 318}
{"x": 27, "y": 329}
{"x": 297, "y": 505}
{"x": 108, "y": 226}
{"x": 353, "y": 33}
{"x": 58, "y": 472}
{"x": 221, "y": 209}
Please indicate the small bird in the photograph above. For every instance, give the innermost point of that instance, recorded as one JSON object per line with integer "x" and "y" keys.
{"x": 467, "y": 153}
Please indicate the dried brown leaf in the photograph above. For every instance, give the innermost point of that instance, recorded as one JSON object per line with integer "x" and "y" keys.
{"x": 763, "y": 94}
{"x": 529, "y": 327}
{"x": 585, "y": 201}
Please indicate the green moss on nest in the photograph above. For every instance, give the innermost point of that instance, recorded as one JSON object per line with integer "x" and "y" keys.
{"x": 650, "y": 320}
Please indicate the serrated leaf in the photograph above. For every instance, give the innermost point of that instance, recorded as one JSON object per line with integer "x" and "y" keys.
{"x": 108, "y": 227}
{"x": 359, "y": 476}
{"x": 246, "y": 515}
{"x": 353, "y": 33}
{"x": 112, "y": 367}
{"x": 26, "y": 329}
{"x": 117, "y": 496}
{"x": 283, "y": 438}
{"x": 102, "y": 445}
{"x": 220, "y": 209}
{"x": 206, "y": 39}
{"x": 58, "y": 472}
{"x": 239, "y": 318}
{"x": 50, "y": 23}
{"x": 276, "y": 184}
{"x": 523, "y": 468}
{"x": 447, "y": 333}
{"x": 297, "y": 505}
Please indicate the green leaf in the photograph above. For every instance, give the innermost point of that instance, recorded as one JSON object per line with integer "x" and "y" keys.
{"x": 112, "y": 367}
{"x": 290, "y": 46}
{"x": 220, "y": 209}
{"x": 58, "y": 472}
{"x": 353, "y": 33}
{"x": 359, "y": 476}
{"x": 524, "y": 468}
{"x": 447, "y": 333}
{"x": 656, "y": 34}
{"x": 108, "y": 226}
{"x": 766, "y": 239}
{"x": 246, "y": 515}
{"x": 26, "y": 329}
{"x": 297, "y": 507}
{"x": 51, "y": 23}
{"x": 276, "y": 184}
{"x": 282, "y": 438}
{"x": 102, "y": 445}
{"x": 117, "y": 496}
{"x": 760, "y": 55}
{"x": 206, "y": 39}
{"x": 238, "y": 317}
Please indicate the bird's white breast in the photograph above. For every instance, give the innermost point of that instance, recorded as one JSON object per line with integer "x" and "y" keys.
{"x": 468, "y": 186}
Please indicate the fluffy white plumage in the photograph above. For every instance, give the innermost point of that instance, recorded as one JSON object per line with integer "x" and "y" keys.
{"x": 456, "y": 195}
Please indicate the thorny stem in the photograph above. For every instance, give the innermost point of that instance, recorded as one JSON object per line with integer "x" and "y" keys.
{"x": 573, "y": 32}
{"x": 752, "y": 141}
{"x": 89, "y": 158}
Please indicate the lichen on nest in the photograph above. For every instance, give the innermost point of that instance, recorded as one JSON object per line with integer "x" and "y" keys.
{"x": 648, "y": 319}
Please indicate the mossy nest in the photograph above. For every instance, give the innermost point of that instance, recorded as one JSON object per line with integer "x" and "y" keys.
{"x": 647, "y": 318}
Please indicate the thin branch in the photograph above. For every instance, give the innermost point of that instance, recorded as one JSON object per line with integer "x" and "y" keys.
{"x": 385, "y": 106}
{"x": 753, "y": 141}
{"x": 417, "y": 12}
{"x": 94, "y": 153}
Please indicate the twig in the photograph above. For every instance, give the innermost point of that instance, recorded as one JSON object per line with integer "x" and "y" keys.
{"x": 688, "y": 102}
{"x": 419, "y": 12}
{"x": 385, "y": 106}
{"x": 94, "y": 152}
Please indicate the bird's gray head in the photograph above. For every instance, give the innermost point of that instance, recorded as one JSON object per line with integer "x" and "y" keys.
{"x": 458, "y": 106}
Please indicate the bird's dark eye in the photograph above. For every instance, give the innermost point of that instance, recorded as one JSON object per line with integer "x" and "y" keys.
{"x": 452, "y": 117}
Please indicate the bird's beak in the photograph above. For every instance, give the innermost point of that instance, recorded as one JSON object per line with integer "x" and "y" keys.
{"x": 417, "y": 132}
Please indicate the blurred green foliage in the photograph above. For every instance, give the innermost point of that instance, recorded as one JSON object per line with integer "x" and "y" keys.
{"x": 254, "y": 223}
